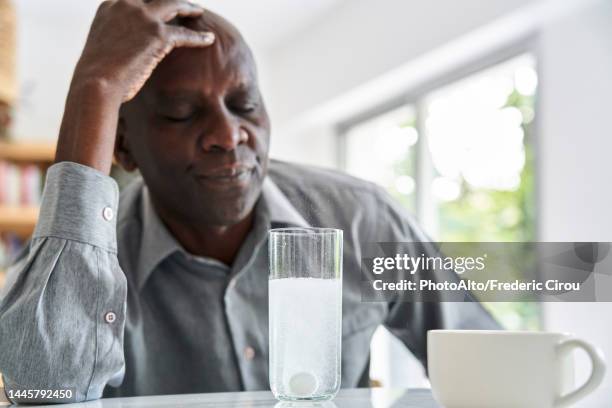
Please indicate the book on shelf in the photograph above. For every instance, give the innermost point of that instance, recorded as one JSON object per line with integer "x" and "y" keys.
{"x": 20, "y": 184}
{"x": 20, "y": 195}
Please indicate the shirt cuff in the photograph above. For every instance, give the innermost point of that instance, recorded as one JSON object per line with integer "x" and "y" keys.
{"x": 79, "y": 203}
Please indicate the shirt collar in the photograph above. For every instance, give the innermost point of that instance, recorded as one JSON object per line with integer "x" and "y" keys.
{"x": 278, "y": 207}
{"x": 158, "y": 243}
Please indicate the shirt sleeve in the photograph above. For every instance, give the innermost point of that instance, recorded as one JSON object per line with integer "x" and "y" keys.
{"x": 62, "y": 311}
{"x": 410, "y": 319}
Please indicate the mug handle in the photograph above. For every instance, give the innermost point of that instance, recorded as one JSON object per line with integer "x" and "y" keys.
{"x": 598, "y": 370}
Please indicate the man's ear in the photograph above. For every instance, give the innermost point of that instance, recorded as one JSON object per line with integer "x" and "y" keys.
{"x": 123, "y": 155}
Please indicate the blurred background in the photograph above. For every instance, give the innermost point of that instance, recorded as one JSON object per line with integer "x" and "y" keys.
{"x": 488, "y": 119}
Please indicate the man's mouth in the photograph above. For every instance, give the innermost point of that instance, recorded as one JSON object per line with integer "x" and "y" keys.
{"x": 231, "y": 176}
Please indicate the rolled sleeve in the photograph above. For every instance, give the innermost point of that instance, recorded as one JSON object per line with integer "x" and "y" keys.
{"x": 79, "y": 204}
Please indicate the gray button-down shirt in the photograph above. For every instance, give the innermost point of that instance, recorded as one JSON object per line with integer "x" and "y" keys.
{"x": 105, "y": 298}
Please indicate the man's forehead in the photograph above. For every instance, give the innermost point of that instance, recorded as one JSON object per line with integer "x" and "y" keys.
{"x": 228, "y": 59}
{"x": 229, "y": 46}
{"x": 211, "y": 61}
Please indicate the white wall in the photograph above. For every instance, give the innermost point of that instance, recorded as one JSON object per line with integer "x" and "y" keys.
{"x": 575, "y": 167}
{"x": 355, "y": 43}
{"x": 361, "y": 40}
{"x": 49, "y": 44}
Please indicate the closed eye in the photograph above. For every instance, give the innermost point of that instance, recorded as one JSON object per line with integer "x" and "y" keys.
{"x": 178, "y": 118}
{"x": 244, "y": 109}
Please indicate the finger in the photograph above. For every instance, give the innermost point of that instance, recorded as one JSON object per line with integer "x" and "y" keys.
{"x": 166, "y": 10}
{"x": 179, "y": 36}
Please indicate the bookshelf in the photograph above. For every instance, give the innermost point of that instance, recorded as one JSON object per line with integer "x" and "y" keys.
{"x": 19, "y": 220}
{"x": 27, "y": 152}
{"x": 16, "y": 219}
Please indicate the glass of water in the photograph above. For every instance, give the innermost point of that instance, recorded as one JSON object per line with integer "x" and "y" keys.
{"x": 305, "y": 312}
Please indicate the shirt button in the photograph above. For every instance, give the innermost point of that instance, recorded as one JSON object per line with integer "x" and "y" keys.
{"x": 249, "y": 353}
{"x": 107, "y": 213}
{"x": 110, "y": 317}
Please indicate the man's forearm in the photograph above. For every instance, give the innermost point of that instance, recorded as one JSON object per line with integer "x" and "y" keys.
{"x": 89, "y": 125}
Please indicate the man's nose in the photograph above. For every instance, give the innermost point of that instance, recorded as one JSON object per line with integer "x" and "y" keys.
{"x": 223, "y": 133}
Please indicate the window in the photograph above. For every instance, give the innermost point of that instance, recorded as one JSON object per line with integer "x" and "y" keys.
{"x": 479, "y": 137}
{"x": 391, "y": 164}
{"x": 460, "y": 157}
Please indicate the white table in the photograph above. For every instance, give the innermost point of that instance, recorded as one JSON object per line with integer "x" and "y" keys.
{"x": 352, "y": 398}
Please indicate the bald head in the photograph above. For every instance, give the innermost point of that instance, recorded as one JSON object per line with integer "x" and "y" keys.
{"x": 227, "y": 35}
{"x": 228, "y": 57}
{"x": 229, "y": 43}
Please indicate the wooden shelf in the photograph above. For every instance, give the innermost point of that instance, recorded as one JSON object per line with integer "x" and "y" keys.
{"x": 18, "y": 220}
{"x": 29, "y": 152}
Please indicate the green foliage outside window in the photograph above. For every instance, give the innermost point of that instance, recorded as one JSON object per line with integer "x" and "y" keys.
{"x": 482, "y": 215}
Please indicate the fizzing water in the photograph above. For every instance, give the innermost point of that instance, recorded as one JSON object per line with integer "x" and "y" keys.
{"x": 305, "y": 337}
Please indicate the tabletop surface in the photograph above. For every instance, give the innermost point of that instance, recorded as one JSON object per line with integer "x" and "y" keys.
{"x": 350, "y": 398}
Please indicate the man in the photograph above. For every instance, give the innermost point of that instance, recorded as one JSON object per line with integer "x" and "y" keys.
{"x": 170, "y": 295}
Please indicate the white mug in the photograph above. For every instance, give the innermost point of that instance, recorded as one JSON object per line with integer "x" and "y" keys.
{"x": 505, "y": 369}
